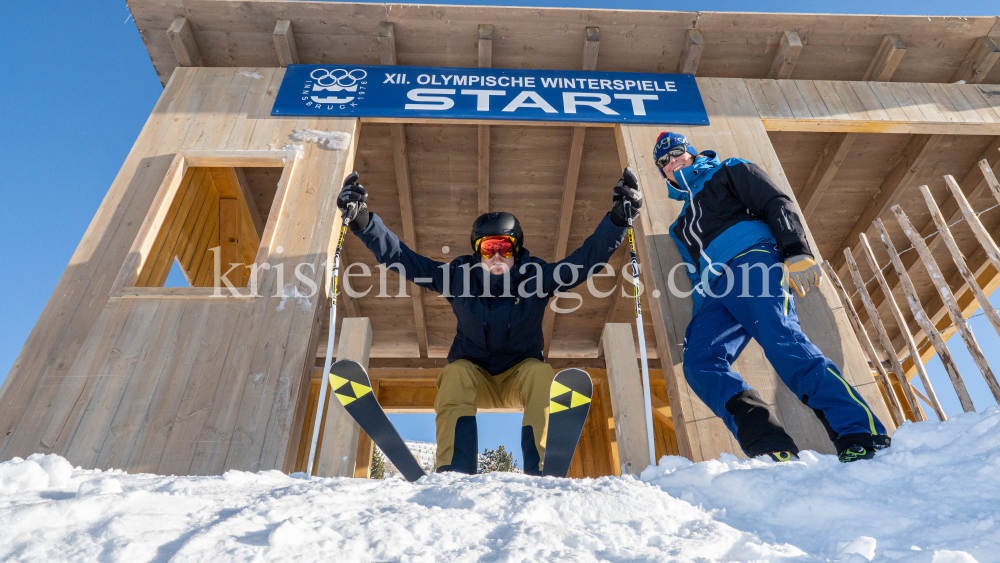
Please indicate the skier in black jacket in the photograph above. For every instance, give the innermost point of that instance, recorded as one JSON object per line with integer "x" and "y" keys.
{"x": 498, "y": 295}
{"x": 743, "y": 246}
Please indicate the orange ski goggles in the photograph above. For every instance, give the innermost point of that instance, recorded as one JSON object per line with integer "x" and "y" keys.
{"x": 486, "y": 247}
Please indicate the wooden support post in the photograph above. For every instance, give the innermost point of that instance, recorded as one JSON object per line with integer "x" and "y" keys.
{"x": 284, "y": 43}
{"x": 694, "y": 44}
{"x": 339, "y": 450}
{"x": 485, "y": 61}
{"x": 183, "y": 43}
{"x": 387, "y": 53}
{"x": 904, "y": 329}
{"x": 883, "y": 336}
{"x": 925, "y": 322}
{"x": 981, "y": 235}
{"x": 954, "y": 311}
{"x": 625, "y": 384}
{"x": 978, "y": 63}
{"x": 786, "y": 56}
{"x": 886, "y": 59}
{"x": 866, "y": 343}
{"x": 591, "y": 46}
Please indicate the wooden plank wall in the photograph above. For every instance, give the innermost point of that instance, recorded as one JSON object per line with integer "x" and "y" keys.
{"x": 181, "y": 386}
{"x": 736, "y": 131}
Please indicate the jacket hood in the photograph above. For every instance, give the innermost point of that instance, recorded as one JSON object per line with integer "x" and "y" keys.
{"x": 688, "y": 175}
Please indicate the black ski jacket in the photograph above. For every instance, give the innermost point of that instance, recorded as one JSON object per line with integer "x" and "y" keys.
{"x": 495, "y": 331}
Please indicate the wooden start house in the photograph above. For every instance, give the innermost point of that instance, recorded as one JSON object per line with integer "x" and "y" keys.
{"x": 882, "y": 128}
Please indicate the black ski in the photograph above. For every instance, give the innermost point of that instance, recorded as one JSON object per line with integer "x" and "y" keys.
{"x": 569, "y": 404}
{"x": 350, "y": 383}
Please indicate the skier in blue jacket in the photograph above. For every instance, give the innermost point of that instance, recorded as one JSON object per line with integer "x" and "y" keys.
{"x": 499, "y": 295}
{"x": 743, "y": 245}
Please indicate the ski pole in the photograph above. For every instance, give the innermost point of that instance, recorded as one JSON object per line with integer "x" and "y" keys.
{"x": 647, "y": 400}
{"x": 328, "y": 361}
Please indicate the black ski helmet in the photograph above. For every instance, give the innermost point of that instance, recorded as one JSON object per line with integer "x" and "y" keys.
{"x": 497, "y": 223}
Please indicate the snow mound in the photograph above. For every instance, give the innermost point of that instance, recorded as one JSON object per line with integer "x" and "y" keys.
{"x": 931, "y": 498}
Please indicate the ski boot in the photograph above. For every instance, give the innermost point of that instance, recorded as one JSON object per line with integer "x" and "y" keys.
{"x": 856, "y": 452}
{"x": 782, "y": 456}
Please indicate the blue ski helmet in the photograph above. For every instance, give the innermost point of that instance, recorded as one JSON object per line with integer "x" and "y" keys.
{"x": 668, "y": 142}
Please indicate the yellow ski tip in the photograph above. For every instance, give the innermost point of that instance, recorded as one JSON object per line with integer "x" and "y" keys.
{"x": 556, "y": 407}
{"x": 344, "y": 399}
{"x": 336, "y": 381}
{"x": 558, "y": 389}
{"x": 360, "y": 390}
{"x": 578, "y": 400}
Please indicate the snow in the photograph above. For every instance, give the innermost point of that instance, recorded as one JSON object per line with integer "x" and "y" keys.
{"x": 931, "y": 498}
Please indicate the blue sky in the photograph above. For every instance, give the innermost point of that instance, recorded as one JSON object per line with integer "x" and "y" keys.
{"x": 77, "y": 87}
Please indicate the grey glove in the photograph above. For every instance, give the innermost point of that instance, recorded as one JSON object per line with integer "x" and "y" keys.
{"x": 353, "y": 203}
{"x": 627, "y": 189}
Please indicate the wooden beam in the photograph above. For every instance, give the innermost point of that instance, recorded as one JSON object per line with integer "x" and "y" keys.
{"x": 954, "y": 310}
{"x": 913, "y": 300}
{"x": 284, "y": 43}
{"x": 873, "y": 358}
{"x": 661, "y": 412}
{"x": 229, "y": 238}
{"x": 883, "y": 337}
{"x": 978, "y": 63}
{"x": 839, "y": 145}
{"x": 886, "y": 59}
{"x": 338, "y": 453}
{"x": 823, "y": 172}
{"x": 485, "y": 61}
{"x": 387, "y": 43}
{"x": 182, "y": 41}
{"x": 625, "y": 385}
{"x": 387, "y": 53}
{"x": 786, "y": 56}
{"x": 914, "y": 157}
{"x": 694, "y": 44}
{"x": 591, "y": 46}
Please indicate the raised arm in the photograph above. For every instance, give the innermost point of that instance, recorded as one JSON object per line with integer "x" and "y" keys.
{"x": 383, "y": 243}
{"x": 598, "y": 248}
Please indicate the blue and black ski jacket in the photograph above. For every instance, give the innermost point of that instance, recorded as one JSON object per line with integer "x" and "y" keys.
{"x": 729, "y": 206}
{"x": 495, "y": 331}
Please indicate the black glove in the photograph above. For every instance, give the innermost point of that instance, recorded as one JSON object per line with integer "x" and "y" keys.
{"x": 626, "y": 190}
{"x": 353, "y": 203}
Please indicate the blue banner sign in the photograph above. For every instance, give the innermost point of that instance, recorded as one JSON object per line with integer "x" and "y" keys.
{"x": 489, "y": 93}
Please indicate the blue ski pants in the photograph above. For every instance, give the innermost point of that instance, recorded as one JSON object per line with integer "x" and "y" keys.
{"x": 759, "y": 306}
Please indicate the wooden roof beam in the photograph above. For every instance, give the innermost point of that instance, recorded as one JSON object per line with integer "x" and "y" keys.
{"x": 183, "y": 43}
{"x": 485, "y": 61}
{"x": 387, "y": 54}
{"x": 284, "y": 43}
{"x": 978, "y": 63}
{"x": 694, "y": 45}
{"x": 786, "y": 57}
{"x": 886, "y": 59}
{"x": 591, "y": 46}
{"x": 915, "y": 155}
{"x": 881, "y": 69}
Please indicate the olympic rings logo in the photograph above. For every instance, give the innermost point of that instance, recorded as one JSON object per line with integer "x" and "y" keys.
{"x": 338, "y": 77}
